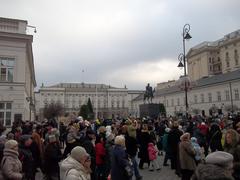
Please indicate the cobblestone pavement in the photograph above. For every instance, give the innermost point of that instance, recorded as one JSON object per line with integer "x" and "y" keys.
{"x": 164, "y": 174}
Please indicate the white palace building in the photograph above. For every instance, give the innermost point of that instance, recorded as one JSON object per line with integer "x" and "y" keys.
{"x": 107, "y": 101}
{"x": 214, "y": 72}
{"x": 17, "y": 75}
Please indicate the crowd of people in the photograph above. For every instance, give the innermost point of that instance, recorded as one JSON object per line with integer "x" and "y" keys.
{"x": 205, "y": 149}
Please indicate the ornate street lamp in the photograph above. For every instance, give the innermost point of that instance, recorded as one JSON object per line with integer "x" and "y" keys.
{"x": 182, "y": 63}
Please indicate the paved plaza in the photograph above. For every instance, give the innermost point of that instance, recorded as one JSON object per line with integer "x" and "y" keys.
{"x": 164, "y": 174}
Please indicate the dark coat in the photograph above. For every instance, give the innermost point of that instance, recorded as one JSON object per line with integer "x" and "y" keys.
{"x": 88, "y": 145}
{"x": 144, "y": 139}
{"x": 52, "y": 157}
{"x": 215, "y": 137}
{"x": 174, "y": 139}
{"x": 25, "y": 156}
{"x": 131, "y": 145}
{"x": 119, "y": 162}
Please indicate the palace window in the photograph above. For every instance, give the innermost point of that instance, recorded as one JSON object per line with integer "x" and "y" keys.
{"x": 209, "y": 97}
{"x": 236, "y": 92}
{"x": 5, "y": 113}
{"x": 219, "y": 96}
{"x": 6, "y": 69}
{"x": 227, "y": 60}
{"x": 178, "y": 102}
{"x": 172, "y": 102}
{"x": 236, "y": 57}
{"x": 227, "y": 95}
{"x": 202, "y": 98}
{"x": 195, "y": 98}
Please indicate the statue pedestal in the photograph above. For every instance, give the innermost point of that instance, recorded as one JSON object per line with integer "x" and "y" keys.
{"x": 151, "y": 110}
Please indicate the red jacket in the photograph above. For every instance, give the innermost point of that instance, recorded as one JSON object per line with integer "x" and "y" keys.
{"x": 100, "y": 153}
{"x": 152, "y": 152}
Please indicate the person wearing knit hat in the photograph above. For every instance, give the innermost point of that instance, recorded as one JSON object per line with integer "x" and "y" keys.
{"x": 77, "y": 165}
{"x": 220, "y": 158}
{"x": 11, "y": 165}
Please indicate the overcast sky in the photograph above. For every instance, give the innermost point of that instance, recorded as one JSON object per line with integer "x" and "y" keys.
{"x": 118, "y": 42}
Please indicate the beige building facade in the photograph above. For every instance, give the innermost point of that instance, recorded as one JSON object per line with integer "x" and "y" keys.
{"x": 217, "y": 94}
{"x": 17, "y": 75}
{"x": 212, "y": 58}
{"x": 107, "y": 101}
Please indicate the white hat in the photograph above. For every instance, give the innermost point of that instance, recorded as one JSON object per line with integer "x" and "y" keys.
{"x": 10, "y": 144}
{"x": 78, "y": 153}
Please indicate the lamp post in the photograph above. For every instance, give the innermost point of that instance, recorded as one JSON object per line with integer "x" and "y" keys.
{"x": 182, "y": 63}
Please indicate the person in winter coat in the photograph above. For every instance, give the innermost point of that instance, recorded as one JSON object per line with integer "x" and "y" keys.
{"x": 121, "y": 167}
{"x": 186, "y": 156}
{"x": 2, "y": 142}
{"x": 131, "y": 149}
{"x": 89, "y": 146}
{"x": 232, "y": 146}
{"x": 152, "y": 153}
{"x": 26, "y": 157}
{"x": 109, "y": 148}
{"x": 173, "y": 141}
{"x": 100, "y": 157}
{"x": 215, "y": 137}
{"x": 166, "y": 148}
{"x": 144, "y": 139}
{"x": 210, "y": 172}
{"x": 77, "y": 165}
{"x": 197, "y": 149}
{"x": 10, "y": 164}
{"x": 52, "y": 157}
{"x": 221, "y": 160}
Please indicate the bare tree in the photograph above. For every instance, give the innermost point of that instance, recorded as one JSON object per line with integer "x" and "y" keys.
{"x": 53, "y": 110}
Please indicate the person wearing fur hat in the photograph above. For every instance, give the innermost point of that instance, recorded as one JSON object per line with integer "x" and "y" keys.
{"x": 10, "y": 164}
{"x": 77, "y": 165}
{"x": 232, "y": 146}
{"x": 186, "y": 156}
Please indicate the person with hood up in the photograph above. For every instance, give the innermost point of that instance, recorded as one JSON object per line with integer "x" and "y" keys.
{"x": 10, "y": 164}
{"x": 152, "y": 153}
{"x": 77, "y": 165}
{"x": 197, "y": 150}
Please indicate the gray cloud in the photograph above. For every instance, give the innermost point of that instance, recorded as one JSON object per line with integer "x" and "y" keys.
{"x": 118, "y": 42}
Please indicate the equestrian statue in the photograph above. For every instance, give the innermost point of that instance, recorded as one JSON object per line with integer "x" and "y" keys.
{"x": 148, "y": 95}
